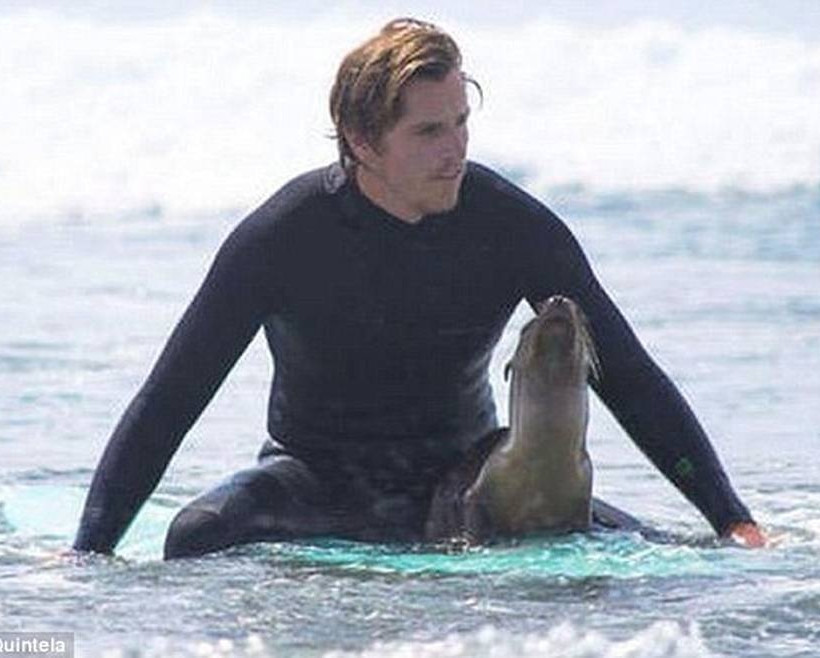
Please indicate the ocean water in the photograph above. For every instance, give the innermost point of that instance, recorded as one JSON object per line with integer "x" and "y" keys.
{"x": 685, "y": 155}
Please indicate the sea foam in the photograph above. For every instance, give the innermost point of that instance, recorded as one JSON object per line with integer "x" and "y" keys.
{"x": 662, "y": 639}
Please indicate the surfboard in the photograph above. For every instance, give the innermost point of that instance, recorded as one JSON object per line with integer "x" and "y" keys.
{"x": 46, "y": 516}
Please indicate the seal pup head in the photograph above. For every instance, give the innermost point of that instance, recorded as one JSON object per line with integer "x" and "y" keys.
{"x": 555, "y": 347}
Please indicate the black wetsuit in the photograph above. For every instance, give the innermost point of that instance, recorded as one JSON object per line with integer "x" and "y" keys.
{"x": 381, "y": 333}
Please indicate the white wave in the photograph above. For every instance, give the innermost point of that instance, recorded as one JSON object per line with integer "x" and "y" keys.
{"x": 654, "y": 106}
{"x": 661, "y": 640}
{"x": 202, "y": 113}
{"x": 667, "y": 639}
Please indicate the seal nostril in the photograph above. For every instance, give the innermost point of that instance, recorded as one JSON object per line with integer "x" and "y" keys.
{"x": 557, "y": 301}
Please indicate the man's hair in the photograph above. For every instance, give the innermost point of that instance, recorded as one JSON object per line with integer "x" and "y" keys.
{"x": 366, "y": 96}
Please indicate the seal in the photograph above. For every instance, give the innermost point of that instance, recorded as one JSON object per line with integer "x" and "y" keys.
{"x": 536, "y": 475}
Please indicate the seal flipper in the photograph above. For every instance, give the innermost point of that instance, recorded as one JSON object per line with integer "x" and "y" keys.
{"x": 609, "y": 517}
{"x": 446, "y": 520}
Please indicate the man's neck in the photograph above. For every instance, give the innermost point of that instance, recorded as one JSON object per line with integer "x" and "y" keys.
{"x": 375, "y": 190}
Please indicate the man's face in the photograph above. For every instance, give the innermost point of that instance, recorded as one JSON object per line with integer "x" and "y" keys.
{"x": 417, "y": 166}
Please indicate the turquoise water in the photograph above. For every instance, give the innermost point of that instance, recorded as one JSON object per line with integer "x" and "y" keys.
{"x": 722, "y": 290}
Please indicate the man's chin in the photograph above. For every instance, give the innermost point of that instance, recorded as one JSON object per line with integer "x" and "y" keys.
{"x": 442, "y": 207}
{"x": 446, "y": 202}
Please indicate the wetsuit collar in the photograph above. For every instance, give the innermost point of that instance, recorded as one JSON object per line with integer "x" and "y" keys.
{"x": 359, "y": 211}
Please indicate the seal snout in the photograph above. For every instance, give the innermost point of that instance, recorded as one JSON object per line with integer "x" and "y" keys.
{"x": 555, "y": 343}
{"x": 559, "y": 301}
{"x": 559, "y": 320}
{"x": 558, "y": 307}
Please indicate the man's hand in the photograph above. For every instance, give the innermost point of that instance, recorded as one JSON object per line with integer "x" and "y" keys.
{"x": 747, "y": 533}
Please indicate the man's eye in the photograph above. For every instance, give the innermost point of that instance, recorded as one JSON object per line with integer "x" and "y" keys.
{"x": 429, "y": 131}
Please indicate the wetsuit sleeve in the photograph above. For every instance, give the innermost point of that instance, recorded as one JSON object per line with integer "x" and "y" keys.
{"x": 643, "y": 399}
{"x": 214, "y": 331}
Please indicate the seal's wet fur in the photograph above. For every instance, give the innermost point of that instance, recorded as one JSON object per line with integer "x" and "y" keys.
{"x": 503, "y": 487}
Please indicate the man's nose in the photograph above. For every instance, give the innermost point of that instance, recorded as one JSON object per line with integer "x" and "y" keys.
{"x": 456, "y": 143}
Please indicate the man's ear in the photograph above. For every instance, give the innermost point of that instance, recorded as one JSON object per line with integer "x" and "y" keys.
{"x": 361, "y": 147}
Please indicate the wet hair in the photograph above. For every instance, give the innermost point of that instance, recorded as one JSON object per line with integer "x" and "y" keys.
{"x": 366, "y": 98}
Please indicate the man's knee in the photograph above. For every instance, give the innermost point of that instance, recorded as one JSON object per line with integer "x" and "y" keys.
{"x": 236, "y": 511}
{"x": 281, "y": 498}
{"x": 195, "y": 532}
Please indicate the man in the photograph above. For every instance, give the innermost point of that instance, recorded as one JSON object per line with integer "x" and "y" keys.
{"x": 383, "y": 284}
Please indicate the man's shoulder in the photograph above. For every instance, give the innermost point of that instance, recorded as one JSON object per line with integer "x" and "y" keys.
{"x": 305, "y": 189}
{"x": 489, "y": 191}
{"x": 300, "y": 197}
{"x": 286, "y": 218}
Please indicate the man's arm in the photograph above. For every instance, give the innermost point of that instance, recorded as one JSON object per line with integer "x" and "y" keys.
{"x": 214, "y": 331}
{"x": 643, "y": 399}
